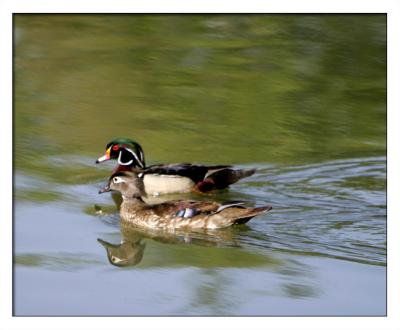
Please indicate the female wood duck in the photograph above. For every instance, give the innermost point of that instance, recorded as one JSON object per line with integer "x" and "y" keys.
{"x": 175, "y": 214}
{"x": 171, "y": 178}
{"x": 130, "y": 251}
{"x": 127, "y": 253}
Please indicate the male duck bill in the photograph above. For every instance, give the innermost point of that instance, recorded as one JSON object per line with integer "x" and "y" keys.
{"x": 183, "y": 214}
{"x": 171, "y": 178}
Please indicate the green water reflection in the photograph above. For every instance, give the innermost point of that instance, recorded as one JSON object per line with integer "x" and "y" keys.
{"x": 201, "y": 88}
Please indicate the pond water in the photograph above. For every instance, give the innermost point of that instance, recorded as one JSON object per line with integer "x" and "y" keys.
{"x": 302, "y": 98}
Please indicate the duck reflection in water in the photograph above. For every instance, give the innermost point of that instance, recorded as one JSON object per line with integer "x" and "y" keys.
{"x": 125, "y": 254}
{"x": 131, "y": 249}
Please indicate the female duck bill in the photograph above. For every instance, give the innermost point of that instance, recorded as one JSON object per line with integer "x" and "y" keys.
{"x": 105, "y": 189}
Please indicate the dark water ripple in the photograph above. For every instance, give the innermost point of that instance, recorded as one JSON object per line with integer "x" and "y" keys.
{"x": 336, "y": 209}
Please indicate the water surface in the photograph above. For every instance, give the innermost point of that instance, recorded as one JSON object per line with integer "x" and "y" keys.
{"x": 300, "y": 97}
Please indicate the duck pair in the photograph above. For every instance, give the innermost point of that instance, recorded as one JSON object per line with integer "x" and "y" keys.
{"x": 134, "y": 180}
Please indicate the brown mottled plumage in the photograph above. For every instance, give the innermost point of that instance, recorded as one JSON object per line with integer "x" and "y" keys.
{"x": 175, "y": 214}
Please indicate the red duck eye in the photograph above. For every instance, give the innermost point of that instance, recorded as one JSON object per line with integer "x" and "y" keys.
{"x": 116, "y": 147}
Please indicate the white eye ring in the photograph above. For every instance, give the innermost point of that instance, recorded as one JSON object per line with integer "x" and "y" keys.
{"x": 117, "y": 179}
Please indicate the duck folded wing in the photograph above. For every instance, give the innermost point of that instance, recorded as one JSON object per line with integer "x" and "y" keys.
{"x": 195, "y": 172}
{"x": 185, "y": 209}
{"x": 189, "y": 209}
{"x": 223, "y": 177}
{"x": 214, "y": 215}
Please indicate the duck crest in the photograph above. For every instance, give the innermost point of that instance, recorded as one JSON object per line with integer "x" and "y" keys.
{"x": 127, "y": 151}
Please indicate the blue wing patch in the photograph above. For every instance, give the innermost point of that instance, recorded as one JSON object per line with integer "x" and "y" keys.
{"x": 187, "y": 213}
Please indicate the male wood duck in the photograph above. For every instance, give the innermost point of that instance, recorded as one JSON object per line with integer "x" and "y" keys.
{"x": 183, "y": 214}
{"x": 171, "y": 178}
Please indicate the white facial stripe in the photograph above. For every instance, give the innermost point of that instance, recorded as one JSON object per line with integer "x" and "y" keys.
{"x": 118, "y": 179}
{"x": 141, "y": 155}
{"x": 120, "y": 161}
{"x": 136, "y": 157}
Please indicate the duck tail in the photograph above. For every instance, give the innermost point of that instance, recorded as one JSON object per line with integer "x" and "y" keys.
{"x": 224, "y": 177}
{"x": 251, "y": 213}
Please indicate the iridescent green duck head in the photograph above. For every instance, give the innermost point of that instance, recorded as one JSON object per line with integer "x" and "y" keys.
{"x": 128, "y": 153}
